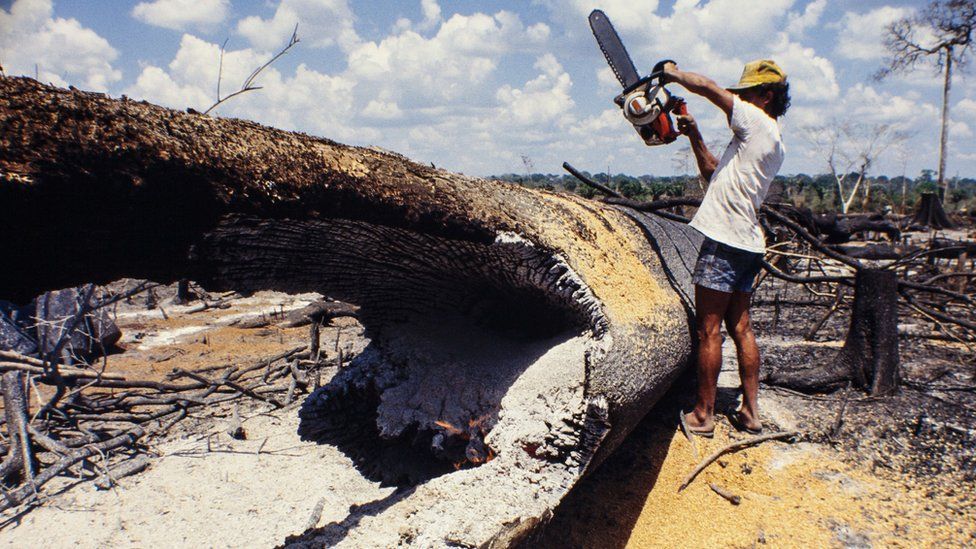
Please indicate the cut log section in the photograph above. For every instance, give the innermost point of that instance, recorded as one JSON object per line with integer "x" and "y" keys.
{"x": 516, "y": 335}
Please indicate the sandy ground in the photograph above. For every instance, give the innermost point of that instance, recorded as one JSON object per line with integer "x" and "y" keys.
{"x": 229, "y": 496}
{"x": 205, "y": 489}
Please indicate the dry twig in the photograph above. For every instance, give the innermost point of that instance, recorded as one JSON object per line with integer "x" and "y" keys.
{"x": 734, "y": 447}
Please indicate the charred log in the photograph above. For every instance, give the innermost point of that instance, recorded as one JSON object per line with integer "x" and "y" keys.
{"x": 876, "y": 251}
{"x": 529, "y": 327}
{"x": 838, "y": 229}
{"x": 945, "y": 248}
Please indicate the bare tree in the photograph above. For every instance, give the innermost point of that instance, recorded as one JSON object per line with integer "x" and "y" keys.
{"x": 850, "y": 149}
{"x": 942, "y": 33}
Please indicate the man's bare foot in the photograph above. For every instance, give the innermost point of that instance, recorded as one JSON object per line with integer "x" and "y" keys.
{"x": 699, "y": 426}
{"x": 745, "y": 421}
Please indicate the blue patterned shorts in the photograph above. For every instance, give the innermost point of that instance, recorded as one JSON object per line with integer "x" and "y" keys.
{"x": 726, "y": 269}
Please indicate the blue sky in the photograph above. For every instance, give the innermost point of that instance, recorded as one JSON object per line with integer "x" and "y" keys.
{"x": 475, "y": 87}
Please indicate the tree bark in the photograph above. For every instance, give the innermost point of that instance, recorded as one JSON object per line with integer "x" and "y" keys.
{"x": 478, "y": 296}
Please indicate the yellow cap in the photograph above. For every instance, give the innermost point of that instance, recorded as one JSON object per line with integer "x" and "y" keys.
{"x": 762, "y": 71}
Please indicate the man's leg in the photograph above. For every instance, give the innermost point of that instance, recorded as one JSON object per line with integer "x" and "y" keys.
{"x": 710, "y": 308}
{"x": 739, "y": 326}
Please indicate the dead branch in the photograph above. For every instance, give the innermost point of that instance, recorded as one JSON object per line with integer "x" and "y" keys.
{"x": 25, "y": 492}
{"x": 65, "y": 371}
{"x": 316, "y": 515}
{"x": 206, "y": 306}
{"x": 127, "y": 468}
{"x": 598, "y": 186}
{"x": 812, "y": 332}
{"x": 14, "y": 356}
{"x": 248, "y": 84}
{"x": 734, "y": 447}
{"x": 19, "y": 454}
{"x": 936, "y": 314}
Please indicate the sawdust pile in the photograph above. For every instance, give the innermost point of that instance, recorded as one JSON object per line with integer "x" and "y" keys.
{"x": 792, "y": 495}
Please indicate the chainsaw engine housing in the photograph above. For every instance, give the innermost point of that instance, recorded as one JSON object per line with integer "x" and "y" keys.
{"x": 649, "y": 108}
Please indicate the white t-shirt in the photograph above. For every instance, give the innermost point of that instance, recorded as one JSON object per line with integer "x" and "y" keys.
{"x": 728, "y": 213}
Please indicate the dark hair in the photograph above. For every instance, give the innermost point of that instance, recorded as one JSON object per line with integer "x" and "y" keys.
{"x": 781, "y": 98}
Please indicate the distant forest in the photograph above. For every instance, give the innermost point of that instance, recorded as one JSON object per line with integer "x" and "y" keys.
{"x": 817, "y": 192}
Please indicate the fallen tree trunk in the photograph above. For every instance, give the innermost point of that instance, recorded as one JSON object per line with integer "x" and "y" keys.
{"x": 516, "y": 336}
{"x": 839, "y": 229}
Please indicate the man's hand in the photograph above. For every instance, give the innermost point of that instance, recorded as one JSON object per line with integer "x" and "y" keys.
{"x": 687, "y": 124}
{"x": 669, "y": 69}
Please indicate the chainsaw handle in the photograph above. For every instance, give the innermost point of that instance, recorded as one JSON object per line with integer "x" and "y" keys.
{"x": 656, "y": 73}
{"x": 682, "y": 107}
{"x": 641, "y": 82}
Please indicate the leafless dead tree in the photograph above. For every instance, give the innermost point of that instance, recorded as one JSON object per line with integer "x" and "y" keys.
{"x": 850, "y": 149}
{"x": 942, "y": 34}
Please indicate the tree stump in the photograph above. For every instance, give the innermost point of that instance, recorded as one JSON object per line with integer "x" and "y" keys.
{"x": 930, "y": 213}
{"x": 869, "y": 357}
{"x": 870, "y": 351}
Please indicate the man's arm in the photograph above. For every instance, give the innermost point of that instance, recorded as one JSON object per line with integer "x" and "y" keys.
{"x": 706, "y": 160}
{"x": 700, "y": 85}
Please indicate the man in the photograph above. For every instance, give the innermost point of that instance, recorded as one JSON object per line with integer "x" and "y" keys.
{"x": 734, "y": 245}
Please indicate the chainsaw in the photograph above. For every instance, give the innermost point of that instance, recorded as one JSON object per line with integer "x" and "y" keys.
{"x": 645, "y": 102}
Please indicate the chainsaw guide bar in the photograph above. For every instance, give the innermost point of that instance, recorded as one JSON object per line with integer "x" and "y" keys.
{"x": 613, "y": 49}
{"x": 645, "y": 102}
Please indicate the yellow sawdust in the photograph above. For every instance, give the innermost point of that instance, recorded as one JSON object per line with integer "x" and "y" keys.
{"x": 803, "y": 501}
{"x": 605, "y": 248}
{"x": 794, "y": 496}
{"x": 215, "y": 346}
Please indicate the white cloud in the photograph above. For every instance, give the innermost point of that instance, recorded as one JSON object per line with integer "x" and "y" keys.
{"x": 859, "y": 34}
{"x": 306, "y": 100}
{"x": 62, "y": 50}
{"x": 156, "y": 85}
{"x": 959, "y": 129}
{"x": 626, "y": 15}
{"x": 965, "y": 107}
{"x": 864, "y": 105}
{"x": 181, "y": 14}
{"x": 382, "y": 110}
{"x": 798, "y": 23}
{"x": 812, "y": 77}
{"x": 321, "y": 23}
{"x": 545, "y": 99}
{"x": 453, "y": 65}
{"x": 908, "y": 111}
{"x": 432, "y": 13}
